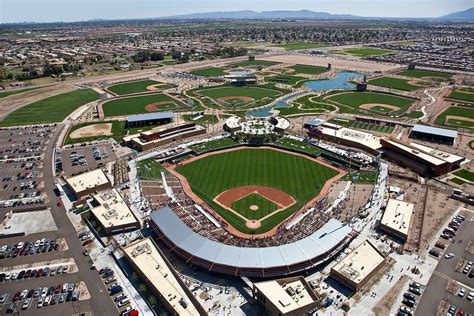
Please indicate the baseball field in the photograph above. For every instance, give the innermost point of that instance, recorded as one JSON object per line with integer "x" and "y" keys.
{"x": 254, "y": 63}
{"x": 399, "y": 84}
{"x": 209, "y": 72}
{"x": 137, "y": 86}
{"x": 237, "y": 95}
{"x": 457, "y": 116}
{"x": 308, "y": 70}
{"x": 50, "y": 110}
{"x": 140, "y": 104}
{"x": 462, "y": 94}
{"x": 425, "y": 74}
{"x": 285, "y": 79}
{"x": 381, "y": 103}
{"x": 259, "y": 185}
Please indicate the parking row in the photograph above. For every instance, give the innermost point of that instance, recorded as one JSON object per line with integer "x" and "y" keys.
{"x": 120, "y": 299}
{"x": 449, "y": 232}
{"x": 33, "y": 273}
{"x": 28, "y": 248}
{"x": 410, "y": 299}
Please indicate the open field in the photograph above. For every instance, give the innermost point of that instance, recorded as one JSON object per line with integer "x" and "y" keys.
{"x": 299, "y": 177}
{"x": 141, "y": 104}
{"x": 285, "y": 79}
{"x": 254, "y": 63}
{"x": 425, "y": 74}
{"x": 462, "y": 94}
{"x": 116, "y": 131}
{"x": 297, "y": 46}
{"x": 209, "y": 72}
{"x": 399, "y": 84}
{"x": 366, "y": 51}
{"x": 4, "y": 94}
{"x": 309, "y": 70}
{"x": 381, "y": 103}
{"x": 137, "y": 86}
{"x": 50, "y": 110}
{"x": 457, "y": 116}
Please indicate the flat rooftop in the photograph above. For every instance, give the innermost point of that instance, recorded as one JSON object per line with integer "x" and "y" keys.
{"x": 233, "y": 122}
{"x": 451, "y": 158}
{"x": 435, "y": 131}
{"x": 150, "y": 117}
{"x": 359, "y": 263}
{"x": 149, "y": 261}
{"x": 112, "y": 211}
{"x": 366, "y": 139}
{"x": 87, "y": 180}
{"x": 414, "y": 151}
{"x": 287, "y": 297}
{"x": 397, "y": 216}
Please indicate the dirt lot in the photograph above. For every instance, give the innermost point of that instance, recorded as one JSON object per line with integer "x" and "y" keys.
{"x": 103, "y": 129}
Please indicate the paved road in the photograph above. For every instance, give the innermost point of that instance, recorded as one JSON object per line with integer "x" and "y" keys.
{"x": 100, "y": 302}
{"x": 436, "y": 288}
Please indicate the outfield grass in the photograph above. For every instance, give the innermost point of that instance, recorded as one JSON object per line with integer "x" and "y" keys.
{"x": 253, "y": 92}
{"x": 465, "y": 174}
{"x": 209, "y": 72}
{"x": 52, "y": 109}
{"x": 414, "y": 114}
{"x": 367, "y": 51}
{"x": 295, "y": 175}
{"x": 456, "y": 111}
{"x": 243, "y": 205}
{"x": 458, "y": 94}
{"x": 297, "y": 46}
{"x": 136, "y": 105}
{"x": 249, "y": 63}
{"x": 285, "y": 79}
{"x": 135, "y": 87}
{"x": 309, "y": 70}
{"x": 356, "y": 99}
{"x": 8, "y": 93}
{"x": 425, "y": 73}
{"x": 397, "y": 83}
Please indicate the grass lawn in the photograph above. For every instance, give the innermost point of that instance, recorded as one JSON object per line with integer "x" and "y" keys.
{"x": 297, "y": 176}
{"x": 425, "y": 73}
{"x": 296, "y": 46}
{"x": 52, "y": 109}
{"x": 367, "y": 51}
{"x": 356, "y": 99}
{"x": 213, "y": 145}
{"x": 4, "y": 94}
{"x": 300, "y": 146}
{"x": 209, "y": 72}
{"x": 362, "y": 125}
{"x": 309, "y": 70}
{"x": 253, "y": 92}
{"x": 135, "y": 87}
{"x": 248, "y": 63}
{"x": 136, "y": 105}
{"x": 397, "y": 83}
{"x": 458, "y": 94}
{"x": 149, "y": 169}
{"x": 457, "y": 181}
{"x": 117, "y": 132}
{"x": 465, "y": 174}
{"x": 414, "y": 114}
{"x": 243, "y": 205}
{"x": 456, "y": 111}
{"x": 285, "y": 79}
{"x": 361, "y": 177}
{"x": 471, "y": 144}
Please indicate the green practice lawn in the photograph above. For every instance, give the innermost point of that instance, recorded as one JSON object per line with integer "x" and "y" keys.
{"x": 465, "y": 174}
{"x": 249, "y": 63}
{"x": 298, "y": 176}
{"x": 209, "y": 72}
{"x": 397, "y": 83}
{"x": 297, "y": 46}
{"x": 136, "y": 105}
{"x": 52, "y": 109}
{"x": 235, "y": 91}
{"x": 285, "y": 79}
{"x": 459, "y": 111}
{"x": 367, "y": 51}
{"x": 135, "y": 87}
{"x": 243, "y": 205}
{"x": 309, "y": 70}
{"x": 458, "y": 94}
{"x": 425, "y": 73}
{"x": 356, "y": 99}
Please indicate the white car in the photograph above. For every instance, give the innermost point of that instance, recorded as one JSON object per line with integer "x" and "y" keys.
{"x": 449, "y": 255}
{"x": 470, "y": 296}
{"x": 40, "y": 302}
{"x": 462, "y": 292}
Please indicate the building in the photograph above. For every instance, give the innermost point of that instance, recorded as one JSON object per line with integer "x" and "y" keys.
{"x": 396, "y": 218}
{"x": 313, "y": 123}
{"x": 112, "y": 213}
{"x": 289, "y": 296}
{"x": 359, "y": 266}
{"x": 241, "y": 77}
{"x": 434, "y": 134}
{"x": 280, "y": 124}
{"x": 421, "y": 159}
{"x": 154, "y": 269}
{"x": 149, "y": 119}
{"x": 232, "y": 124}
{"x": 163, "y": 135}
{"x": 87, "y": 183}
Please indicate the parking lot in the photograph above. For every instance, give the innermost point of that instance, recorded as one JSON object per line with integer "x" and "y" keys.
{"x": 80, "y": 159}
{"x": 21, "y": 167}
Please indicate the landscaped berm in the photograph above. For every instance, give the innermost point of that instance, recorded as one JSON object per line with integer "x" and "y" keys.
{"x": 255, "y": 189}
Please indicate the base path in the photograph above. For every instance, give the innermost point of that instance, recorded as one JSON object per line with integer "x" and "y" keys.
{"x": 153, "y": 107}
{"x": 368, "y": 106}
{"x": 231, "y": 229}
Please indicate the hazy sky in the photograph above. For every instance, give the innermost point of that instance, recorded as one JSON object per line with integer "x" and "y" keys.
{"x": 76, "y": 10}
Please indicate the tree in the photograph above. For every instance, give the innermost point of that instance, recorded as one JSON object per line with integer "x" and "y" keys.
{"x": 141, "y": 56}
{"x": 156, "y": 56}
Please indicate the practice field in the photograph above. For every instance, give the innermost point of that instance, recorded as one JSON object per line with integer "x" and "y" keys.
{"x": 140, "y": 104}
{"x": 209, "y": 72}
{"x": 309, "y": 70}
{"x": 254, "y": 63}
{"x": 425, "y": 74}
{"x": 462, "y": 94}
{"x": 399, "y": 84}
{"x": 297, "y": 46}
{"x": 457, "y": 116}
{"x": 52, "y": 109}
{"x": 285, "y": 79}
{"x": 255, "y": 184}
{"x": 237, "y": 95}
{"x": 367, "y": 51}
{"x": 137, "y": 86}
{"x": 381, "y": 103}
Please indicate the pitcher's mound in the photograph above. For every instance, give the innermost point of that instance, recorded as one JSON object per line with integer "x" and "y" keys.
{"x": 253, "y": 207}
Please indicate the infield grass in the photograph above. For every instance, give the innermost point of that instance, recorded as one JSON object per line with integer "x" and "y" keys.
{"x": 253, "y": 92}
{"x": 298, "y": 176}
{"x": 243, "y": 205}
{"x": 50, "y": 110}
{"x": 136, "y": 105}
{"x": 135, "y": 87}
